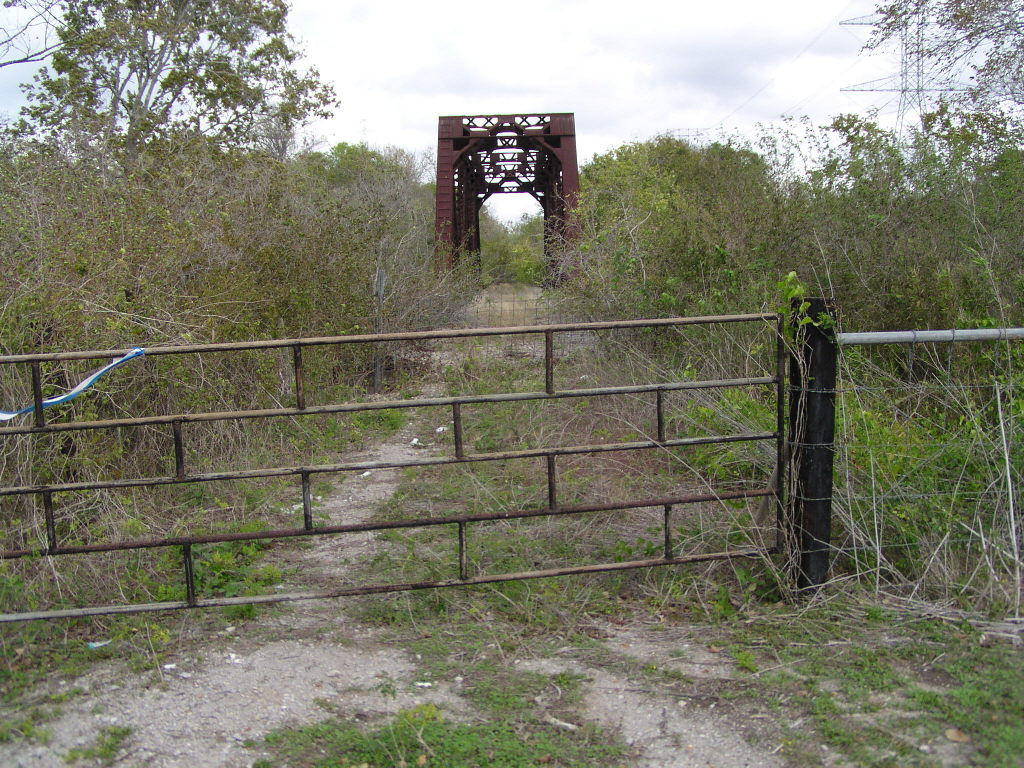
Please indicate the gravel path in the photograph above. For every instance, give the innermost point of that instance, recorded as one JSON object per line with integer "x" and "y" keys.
{"x": 280, "y": 669}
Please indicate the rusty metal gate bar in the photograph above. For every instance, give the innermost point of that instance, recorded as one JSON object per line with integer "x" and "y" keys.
{"x": 44, "y": 493}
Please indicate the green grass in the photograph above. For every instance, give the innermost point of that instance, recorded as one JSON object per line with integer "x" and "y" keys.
{"x": 874, "y": 686}
{"x": 423, "y": 737}
{"x": 377, "y": 423}
{"x": 27, "y": 727}
{"x": 477, "y": 653}
{"x": 877, "y": 686}
{"x": 104, "y": 749}
{"x": 511, "y": 705}
{"x": 986, "y": 700}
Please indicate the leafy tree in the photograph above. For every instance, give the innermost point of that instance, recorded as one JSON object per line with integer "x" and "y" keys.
{"x": 347, "y": 165}
{"x": 133, "y": 71}
{"x": 674, "y": 225}
{"x": 513, "y": 251}
{"x": 985, "y": 37}
{"x": 920, "y": 230}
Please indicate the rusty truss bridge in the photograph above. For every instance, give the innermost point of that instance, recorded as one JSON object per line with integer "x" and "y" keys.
{"x": 483, "y": 155}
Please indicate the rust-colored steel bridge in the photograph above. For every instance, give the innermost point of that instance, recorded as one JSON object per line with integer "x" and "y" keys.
{"x": 479, "y": 156}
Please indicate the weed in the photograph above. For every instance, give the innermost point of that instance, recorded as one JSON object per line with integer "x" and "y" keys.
{"x": 106, "y": 747}
{"x": 864, "y": 678}
{"x": 379, "y": 422}
{"x": 387, "y": 688}
{"x": 63, "y": 696}
{"x": 422, "y": 737}
{"x": 27, "y": 728}
{"x": 744, "y": 660}
{"x": 721, "y": 605}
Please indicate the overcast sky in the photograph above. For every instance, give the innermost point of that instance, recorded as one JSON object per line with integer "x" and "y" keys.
{"x": 628, "y": 69}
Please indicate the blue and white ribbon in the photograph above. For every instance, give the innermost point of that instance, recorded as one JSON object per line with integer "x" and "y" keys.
{"x": 84, "y": 385}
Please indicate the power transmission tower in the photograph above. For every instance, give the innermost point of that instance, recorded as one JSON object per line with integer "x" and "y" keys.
{"x": 916, "y": 86}
{"x": 691, "y": 135}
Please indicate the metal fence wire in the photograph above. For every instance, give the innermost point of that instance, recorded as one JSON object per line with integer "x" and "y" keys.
{"x": 930, "y": 463}
{"x": 43, "y": 511}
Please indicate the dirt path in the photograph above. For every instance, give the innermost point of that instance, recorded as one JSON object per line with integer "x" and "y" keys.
{"x": 295, "y": 665}
{"x": 280, "y": 669}
{"x": 505, "y": 304}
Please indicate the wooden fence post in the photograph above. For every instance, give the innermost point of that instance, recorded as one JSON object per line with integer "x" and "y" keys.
{"x": 812, "y": 382}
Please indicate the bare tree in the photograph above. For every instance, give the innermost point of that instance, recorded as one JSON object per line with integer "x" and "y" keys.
{"x": 28, "y": 33}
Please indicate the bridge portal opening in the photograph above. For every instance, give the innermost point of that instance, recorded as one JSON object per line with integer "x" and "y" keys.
{"x": 483, "y": 155}
{"x": 512, "y": 240}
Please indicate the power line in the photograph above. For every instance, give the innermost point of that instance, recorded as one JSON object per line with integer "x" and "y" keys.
{"x": 772, "y": 81}
{"x": 912, "y": 82}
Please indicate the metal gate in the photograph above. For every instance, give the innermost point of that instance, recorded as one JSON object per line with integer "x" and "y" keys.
{"x": 47, "y": 492}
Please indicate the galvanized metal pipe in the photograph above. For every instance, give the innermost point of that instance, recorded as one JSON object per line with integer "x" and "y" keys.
{"x": 39, "y": 416}
{"x": 327, "y": 530}
{"x": 378, "y": 589}
{"x": 361, "y": 466}
{"x": 916, "y": 337}
{"x": 300, "y": 390}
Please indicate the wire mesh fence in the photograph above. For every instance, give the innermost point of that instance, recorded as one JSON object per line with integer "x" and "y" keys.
{"x": 930, "y": 467}
{"x": 507, "y": 304}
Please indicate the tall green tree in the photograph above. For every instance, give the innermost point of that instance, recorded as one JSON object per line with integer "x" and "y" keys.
{"x": 673, "y": 225}
{"x": 131, "y": 71}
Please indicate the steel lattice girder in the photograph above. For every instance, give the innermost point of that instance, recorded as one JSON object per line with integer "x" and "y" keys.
{"x": 479, "y": 156}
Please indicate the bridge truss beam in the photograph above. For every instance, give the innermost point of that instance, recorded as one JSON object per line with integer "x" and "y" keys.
{"x": 479, "y": 156}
